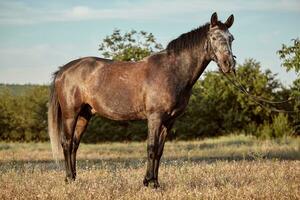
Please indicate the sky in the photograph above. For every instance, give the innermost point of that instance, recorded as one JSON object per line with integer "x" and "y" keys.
{"x": 36, "y": 37}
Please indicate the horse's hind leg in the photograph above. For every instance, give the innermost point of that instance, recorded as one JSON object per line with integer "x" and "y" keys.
{"x": 67, "y": 139}
{"x": 81, "y": 125}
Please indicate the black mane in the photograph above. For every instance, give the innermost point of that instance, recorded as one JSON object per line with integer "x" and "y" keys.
{"x": 188, "y": 40}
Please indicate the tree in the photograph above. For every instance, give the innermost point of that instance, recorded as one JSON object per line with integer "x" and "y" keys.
{"x": 6, "y": 126}
{"x": 35, "y": 106}
{"x": 130, "y": 46}
{"x": 291, "y": 56}
{"x": 24, "y": 117}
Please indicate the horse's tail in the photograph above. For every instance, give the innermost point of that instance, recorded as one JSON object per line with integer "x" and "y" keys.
{"x": 54, "y": 123}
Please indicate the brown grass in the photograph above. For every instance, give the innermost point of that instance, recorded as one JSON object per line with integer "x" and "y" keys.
{"x": 235, "y": 167}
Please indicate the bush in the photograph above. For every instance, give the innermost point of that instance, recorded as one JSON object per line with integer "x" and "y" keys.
{"x": 281, "y": 126}
{"x": 266, "y": 131}
{"x": 23, "y": 117}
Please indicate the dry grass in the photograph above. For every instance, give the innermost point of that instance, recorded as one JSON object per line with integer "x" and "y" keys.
{"x": 235, "y": 167}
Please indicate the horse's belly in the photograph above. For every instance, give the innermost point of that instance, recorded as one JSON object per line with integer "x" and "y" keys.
{"x": 118, "y": 106}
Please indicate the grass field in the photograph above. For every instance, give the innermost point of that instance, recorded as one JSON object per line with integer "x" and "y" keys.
{"x": 232, "y": 167}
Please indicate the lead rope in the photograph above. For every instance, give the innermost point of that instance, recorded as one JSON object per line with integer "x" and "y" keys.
{"x": 258, "y": 100}
{"x": 254, "y": 98}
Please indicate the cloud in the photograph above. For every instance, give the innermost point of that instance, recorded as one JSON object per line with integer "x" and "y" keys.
{"x": 20, "y": 13}
{"x": 34, "y": 63}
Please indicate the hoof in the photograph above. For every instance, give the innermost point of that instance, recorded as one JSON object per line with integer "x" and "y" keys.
{"x": 145, "y": 182}
{"x": 156, "y": 184}
{"x": 69, "y": 179}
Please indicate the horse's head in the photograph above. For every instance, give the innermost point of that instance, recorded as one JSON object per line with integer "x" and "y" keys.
{"x": 220, "y": 40}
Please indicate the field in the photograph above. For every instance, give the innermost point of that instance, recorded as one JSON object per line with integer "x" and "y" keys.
{"x": 232, "y": 167}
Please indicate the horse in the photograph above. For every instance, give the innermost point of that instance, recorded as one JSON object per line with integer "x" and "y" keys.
{"x": 156, "y": 89}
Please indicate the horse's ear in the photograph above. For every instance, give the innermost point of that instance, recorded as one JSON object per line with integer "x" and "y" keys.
{"x": 229, "y": 21}
{"x": 214, "y": 19}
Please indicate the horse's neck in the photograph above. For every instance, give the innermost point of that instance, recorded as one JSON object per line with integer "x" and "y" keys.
{"x": 191, "y": 64}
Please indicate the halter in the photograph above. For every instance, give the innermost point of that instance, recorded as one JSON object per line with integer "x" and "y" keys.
{"x": 209, "y": 47}
{"x": 214, "y": 57}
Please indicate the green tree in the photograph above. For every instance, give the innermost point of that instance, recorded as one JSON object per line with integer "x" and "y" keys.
{"x": 6, "y": 99}
{"x": 35, "y": 106}
{"x": 130, "y": 46}
{"x": 24, "y": 117}
{"x": 290, "y": 56}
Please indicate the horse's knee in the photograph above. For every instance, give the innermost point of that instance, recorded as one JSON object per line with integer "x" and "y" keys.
{"x": 75, "y": 145}
{"x": 66, "y": 144}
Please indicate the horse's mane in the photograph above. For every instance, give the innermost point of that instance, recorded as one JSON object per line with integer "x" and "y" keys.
{"x": 189, "y": 40}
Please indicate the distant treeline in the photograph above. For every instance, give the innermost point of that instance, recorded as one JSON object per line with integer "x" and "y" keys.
{"x": 216, "y": 108}
{"x": 17, "y": 89}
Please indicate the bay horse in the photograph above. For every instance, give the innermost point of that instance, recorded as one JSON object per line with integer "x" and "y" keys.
{"x": 156, "y": 89}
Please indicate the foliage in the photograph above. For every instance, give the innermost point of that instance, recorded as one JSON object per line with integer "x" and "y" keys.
{"x": 130, "y": 46}
{"x": 280, "y": 127}
{"x": 16, "y": 89}
{"x": 102, "y": 129}
{"x": 295, "y": 93}
{"x": 24, "y": 117}
{"x": 291, "y": 55}
{"x": 265, "y": 131}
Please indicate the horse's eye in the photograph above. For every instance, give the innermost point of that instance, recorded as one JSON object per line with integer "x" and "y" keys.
{"x": 214, "y": 38}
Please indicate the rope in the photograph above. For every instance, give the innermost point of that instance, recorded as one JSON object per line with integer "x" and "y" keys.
{"x": 258, "y": 100}
{"x": 262, "y": 99}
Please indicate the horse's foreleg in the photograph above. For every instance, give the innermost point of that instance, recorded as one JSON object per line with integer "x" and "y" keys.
{"x": 67, "y": 138}
{"x": 81, "y": 125}
{"x": 154, "y": 126}
{"x": 161, "y": 143}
